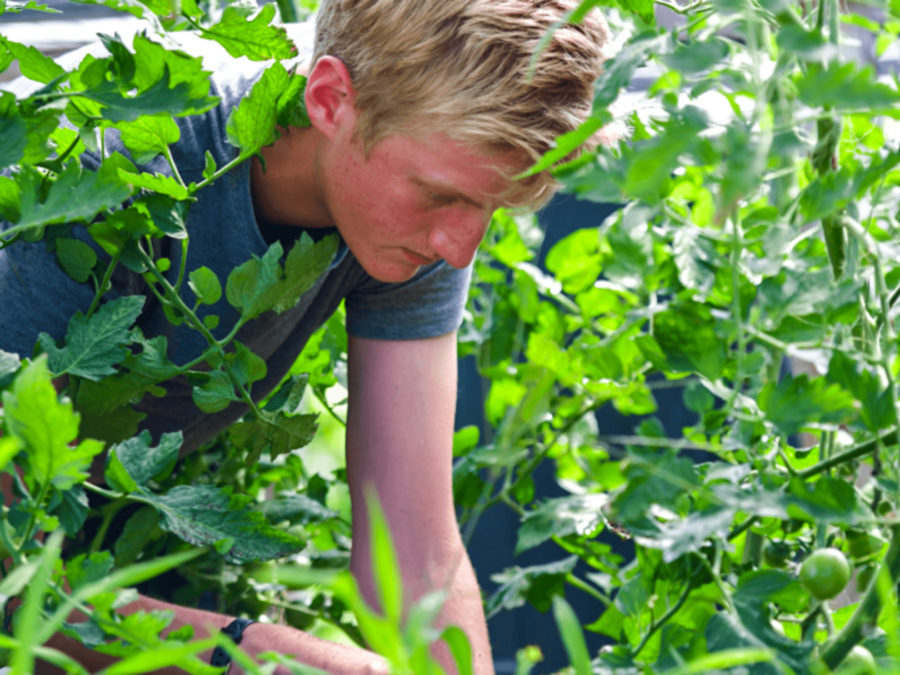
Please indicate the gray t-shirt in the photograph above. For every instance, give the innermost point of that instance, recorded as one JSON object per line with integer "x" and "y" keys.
{"x": 36, "y": 294}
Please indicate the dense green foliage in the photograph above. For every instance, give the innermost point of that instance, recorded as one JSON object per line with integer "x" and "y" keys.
{"x": 749, "y": 241}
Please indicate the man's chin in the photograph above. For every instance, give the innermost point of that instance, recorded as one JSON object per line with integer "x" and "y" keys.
{"x": 392, "y": 274}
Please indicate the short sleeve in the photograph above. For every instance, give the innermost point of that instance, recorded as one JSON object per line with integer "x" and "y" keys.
{"x": 428, "y": 305}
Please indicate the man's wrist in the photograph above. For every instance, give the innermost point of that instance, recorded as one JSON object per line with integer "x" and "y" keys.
{"x": 235, "y": 632}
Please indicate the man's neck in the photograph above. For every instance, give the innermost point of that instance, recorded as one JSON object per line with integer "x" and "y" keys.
{"x": 288, "y": 191}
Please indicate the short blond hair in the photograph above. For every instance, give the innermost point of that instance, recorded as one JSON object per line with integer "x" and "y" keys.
{"x": 467, "y": 69}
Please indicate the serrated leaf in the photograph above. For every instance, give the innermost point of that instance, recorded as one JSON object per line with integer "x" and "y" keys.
{"x": 149, "y": 136}
{"x": 158, "y": 182}
{"x": 163, "y": 97}
{"x": 216, "y": 394}
{"x": 135, "y": 462}
{"x": 579, "y": 514}
{"x": 74, "y": 195}
{"x": 13, "y": 131}
{"x": 205, "y": 285}
{"x": 277, "y": 433}
{"x": 202, "y": 515}
{"x": 251, "y": 125}
{"x": 76, "y": 258}
{"x": 846, "y": 86}
{"x": 246, "y": 366}
{"x": 33, "y": 64}
{"x": 87, "y": 569}
{"x": 14, "y": 7}
{"x": 296, "y": 508}
{"x": 9, "y": 364}
{"x": 796, "y": 402}
{"x": 305, "y": 263}
{"x": 132, "y": 7}
{"x": 72, "y": 510}
{"x": 254, "y": 38}
{"x": 248, "y": 283}
{"x": 536, "y": 584}
{"x": 47, "y": 427}
{"x": 93, "y": 346}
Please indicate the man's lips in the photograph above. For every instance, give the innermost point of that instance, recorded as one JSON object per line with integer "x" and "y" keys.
{"x": 416, "y": 258}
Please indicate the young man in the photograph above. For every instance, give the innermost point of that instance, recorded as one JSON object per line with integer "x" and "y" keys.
{"x": 422, "y": 113}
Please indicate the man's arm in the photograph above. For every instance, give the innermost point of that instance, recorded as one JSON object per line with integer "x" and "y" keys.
{"x": 399, "y": 442}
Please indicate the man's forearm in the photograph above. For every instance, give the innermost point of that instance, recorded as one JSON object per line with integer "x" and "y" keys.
{"x": 453, "y": 573}
{"x": 258, "y": 638}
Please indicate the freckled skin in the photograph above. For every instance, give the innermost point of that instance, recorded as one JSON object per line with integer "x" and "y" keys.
{"x": 412, "y": 202}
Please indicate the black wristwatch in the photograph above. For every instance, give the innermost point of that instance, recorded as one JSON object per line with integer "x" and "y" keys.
{"x": 234, "y": 630}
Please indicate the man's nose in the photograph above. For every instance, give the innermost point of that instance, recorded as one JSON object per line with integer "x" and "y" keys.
{"x": 456, "y": 239}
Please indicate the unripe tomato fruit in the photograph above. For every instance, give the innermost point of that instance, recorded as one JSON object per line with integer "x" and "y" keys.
{"x": 825, "y": 573}
{"x": 859, "y": 661}
{"x": 776, "y": 553}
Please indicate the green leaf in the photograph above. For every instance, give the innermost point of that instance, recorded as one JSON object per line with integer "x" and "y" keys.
{"x": 876, "y": 408}
{"x": 277, "y": 433}
{"x": 572, "y": 637}
{"x": 33, "y": 64}
{"x": 216, "y": 394}
{"x": 251, "y": 125}
{"x": 385, "y": 566}
{"x": 13, "y": 131}
{"x": 846, "y": 87}
{"x": 135, "y": 462}
{"x": 580, "y": 515}
{"x": 75, "y": 195}
{"x": 827, "y": 500}
{"x": 202, "y": 515}
{"x": 253, "y": 38}
{"x": 246, "y": 366}
{"x": 139, "y": 530}
{"x": 797, "y": 402}
{"x": 94, "y": 345}
{"x": 162, "y": 97}
{"x": 305, "y": 263}
{"x": 696, "y": 57}
{"x": 87, "y": 569}
{"x": 72, "y": 510}
{"x": 205, "y": 285}
{"x": 76, "y": 258}
{"x": 248, "y": 283}
{"x": 166, "y": 185}
{"x": 537, "y": 584}
{"x": 9, "y": 365}
{"x": 149, "y": 136}
{"x": 47, "y": 427}
{"x": 296, "y": 508}
{"x": 687, "y": 336}
{"x": 460, "y": 649}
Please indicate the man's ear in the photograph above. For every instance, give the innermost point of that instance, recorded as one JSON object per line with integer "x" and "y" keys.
{"x": 330, "y": 96}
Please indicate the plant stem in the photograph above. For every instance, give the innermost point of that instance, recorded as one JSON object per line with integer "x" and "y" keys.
{"x": 857, "y": 451}
{"x": 657, "y": 624}
{"x": 867, "y": 611}
{"x": 107, "y": 275}
{"x": 581, "y": 584}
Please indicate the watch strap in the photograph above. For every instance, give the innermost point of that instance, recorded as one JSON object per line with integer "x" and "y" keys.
{"x": 234, "y": 630}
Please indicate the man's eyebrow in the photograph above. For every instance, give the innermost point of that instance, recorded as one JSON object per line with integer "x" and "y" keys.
{"x": 447, "y": 189}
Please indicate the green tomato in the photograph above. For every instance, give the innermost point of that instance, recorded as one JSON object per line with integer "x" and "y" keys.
{"x": 825, "y": 573}
{"x": 776, "y": 553}
{"x": 859, "y": 661}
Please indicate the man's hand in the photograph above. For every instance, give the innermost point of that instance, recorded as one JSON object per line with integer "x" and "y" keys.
{"x": 400, "y": 443}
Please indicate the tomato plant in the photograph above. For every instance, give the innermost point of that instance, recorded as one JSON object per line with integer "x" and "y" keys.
{"x": 752, "y": 268}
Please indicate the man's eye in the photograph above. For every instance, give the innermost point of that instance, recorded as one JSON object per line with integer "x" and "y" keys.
{"x": 441, "y": 199}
